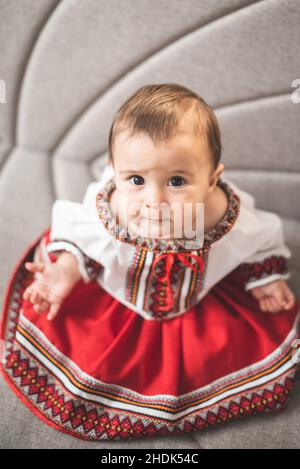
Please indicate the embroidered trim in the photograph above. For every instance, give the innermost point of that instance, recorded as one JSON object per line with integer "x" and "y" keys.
{"x": 172, "y": 244}
{"x": 271, "y": 265}
{"x": 97, "y": 410}
{"x": 89, "y": 268}
{"x": 165, "y": 281}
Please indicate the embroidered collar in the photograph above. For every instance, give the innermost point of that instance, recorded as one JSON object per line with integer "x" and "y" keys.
{"x": 167, "y": 245}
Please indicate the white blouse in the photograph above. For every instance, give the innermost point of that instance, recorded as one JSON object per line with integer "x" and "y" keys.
{"x": 246, "y": 237}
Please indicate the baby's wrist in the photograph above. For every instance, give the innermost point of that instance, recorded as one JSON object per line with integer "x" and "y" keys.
{"x": 70, "y": 262}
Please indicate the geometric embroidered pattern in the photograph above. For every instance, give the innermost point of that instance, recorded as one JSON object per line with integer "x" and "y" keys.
{"x": 87, "y": 421}
{"x": 262, "y": 387}
{"x": 156, "y": 296}
{"x": 260, "y": 269}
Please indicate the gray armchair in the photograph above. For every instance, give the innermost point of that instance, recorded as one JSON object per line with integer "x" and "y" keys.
{"x": 67, "y": 66}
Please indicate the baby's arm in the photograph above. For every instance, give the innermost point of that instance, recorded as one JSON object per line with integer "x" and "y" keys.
{"x": 68, "y": 260}
{"x": 265, "y": 272}
{"x": 52, "y": 283}
{"x": 75, "y": 229}
{"x": 66, "y": 253}
{"x": 270, "y": 262}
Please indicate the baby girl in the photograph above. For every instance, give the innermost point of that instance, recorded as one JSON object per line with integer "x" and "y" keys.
{"x": 175, "y": 162}
{"x": 154, "y": 328}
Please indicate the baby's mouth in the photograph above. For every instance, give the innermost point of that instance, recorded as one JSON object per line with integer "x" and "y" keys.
{"x": 155, "y": 220}
{"x": 149, "y": 227}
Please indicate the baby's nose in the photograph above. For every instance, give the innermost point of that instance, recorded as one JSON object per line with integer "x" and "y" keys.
{"x": 156, "y": 210}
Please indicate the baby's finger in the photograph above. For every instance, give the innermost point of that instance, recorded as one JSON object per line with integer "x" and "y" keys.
{"x": 54, "y": 308}
{"x": 38, "y": 286}
{"x": 35, "y": 292}
{"x": 289, "y": 302}
{"x": 275, "y": 305}
{"x": 278, "y": 295}
{"x": 35, "y": 297}
{"x": 26, "y": 294}
{"x": 42, "y": 307}
{"x": 262, "y": 304}
{"x": 269, "y": 307}
{"x": 272, "y": 306}
{"x": 288, "y": 297}
{"x": 266, "y": 305}
{"x": 35, "y": 266}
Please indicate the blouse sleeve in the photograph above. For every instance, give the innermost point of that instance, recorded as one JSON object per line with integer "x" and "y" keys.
{"x": 88, "y": 268}
{"x": 270, "y": 261}
{"x": 75, "y": 229}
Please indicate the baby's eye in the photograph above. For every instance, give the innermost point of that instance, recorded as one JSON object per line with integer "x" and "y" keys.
{"x": 136, "y": 178}
{"x": 176, "y": 180}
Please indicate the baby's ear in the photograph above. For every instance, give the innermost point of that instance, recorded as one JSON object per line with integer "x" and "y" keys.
{"x": 215, "y": 176}
{"x": 219, "y": 170}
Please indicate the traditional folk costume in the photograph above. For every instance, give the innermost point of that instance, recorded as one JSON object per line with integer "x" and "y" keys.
{"x": 158, "y": 337}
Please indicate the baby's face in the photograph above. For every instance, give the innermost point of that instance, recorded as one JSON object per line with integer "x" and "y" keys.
{"x": 158, "y": 186}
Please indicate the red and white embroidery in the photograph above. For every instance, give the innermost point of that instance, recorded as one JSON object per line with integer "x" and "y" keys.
{"x": 66, "y": 398}
{"x": 270, "y": 268}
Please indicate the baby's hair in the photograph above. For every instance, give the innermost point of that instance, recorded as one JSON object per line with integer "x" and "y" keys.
{"x": 163, "y": 111}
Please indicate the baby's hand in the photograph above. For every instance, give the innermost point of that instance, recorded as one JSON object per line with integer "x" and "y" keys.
{"x": 274, "y": 296}
{"x": 53, "y": 283}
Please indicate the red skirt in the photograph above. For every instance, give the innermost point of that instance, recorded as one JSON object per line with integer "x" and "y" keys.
{"x": 101, "y": 371}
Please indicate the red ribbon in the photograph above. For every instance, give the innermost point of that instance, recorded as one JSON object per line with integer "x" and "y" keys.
{"x": 170, "y": 260}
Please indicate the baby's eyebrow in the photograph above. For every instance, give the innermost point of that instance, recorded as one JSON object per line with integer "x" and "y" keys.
{"x": 134, "y": 171}
{"x": 184, "y": 171}
{"x": 130, "y": 171}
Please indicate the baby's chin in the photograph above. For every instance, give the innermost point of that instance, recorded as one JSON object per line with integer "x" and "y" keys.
{"x": 139, "y": 226}
{"x": 153, "y": 229}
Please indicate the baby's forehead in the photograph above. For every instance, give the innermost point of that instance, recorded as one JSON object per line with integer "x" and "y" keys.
{"x": 182, "y": 141}
{"x": 141, "y": 151}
